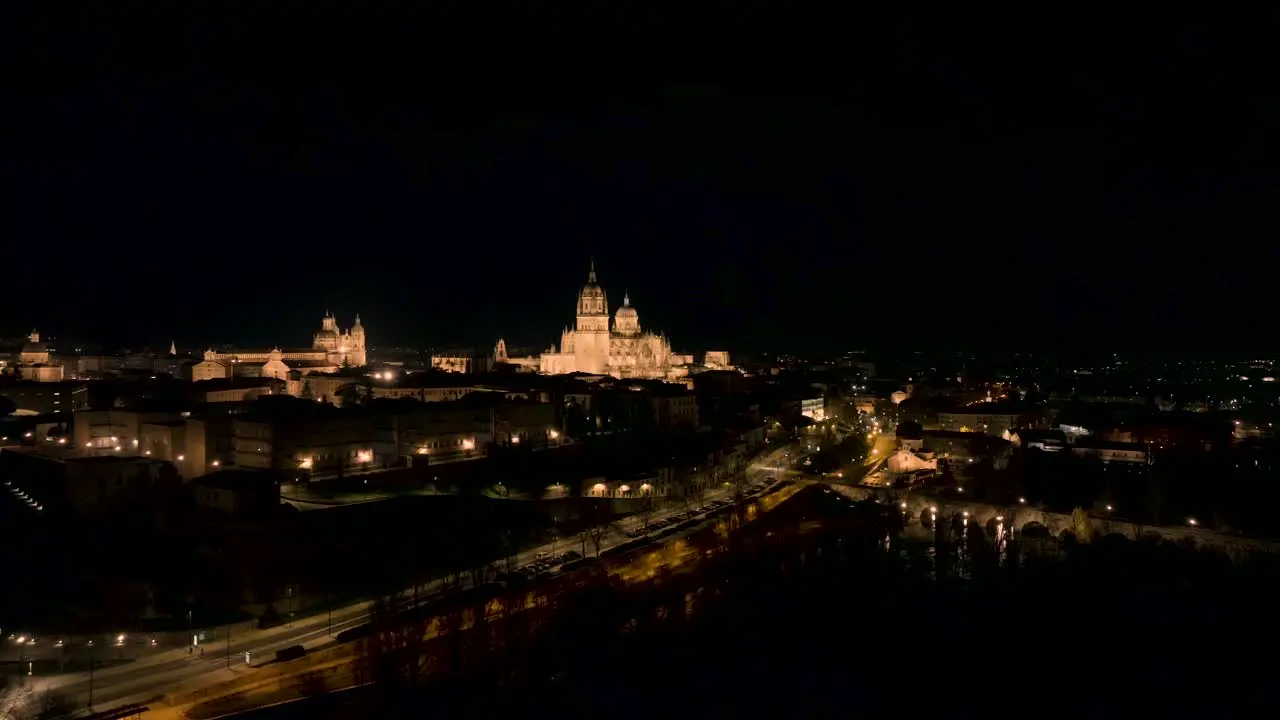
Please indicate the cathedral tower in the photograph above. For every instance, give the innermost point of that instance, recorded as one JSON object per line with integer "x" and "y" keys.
{"x": 591, "y": 339}
{"x": 356, "y": 352}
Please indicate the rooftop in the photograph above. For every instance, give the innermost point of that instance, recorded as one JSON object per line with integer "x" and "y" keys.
{"x": 235, "y": 383}
{"x": 237, "y": 479}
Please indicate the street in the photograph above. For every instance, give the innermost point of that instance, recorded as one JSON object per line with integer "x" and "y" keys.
{"x": 154, "y": 675}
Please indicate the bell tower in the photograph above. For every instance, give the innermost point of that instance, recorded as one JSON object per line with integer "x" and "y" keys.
{"x": 591, "y": 339}
{"x": 356, "y": 353}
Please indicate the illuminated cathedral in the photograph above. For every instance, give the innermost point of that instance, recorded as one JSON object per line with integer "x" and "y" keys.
{"x": 618, "y": 348}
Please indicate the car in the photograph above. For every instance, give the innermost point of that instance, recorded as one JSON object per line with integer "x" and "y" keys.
{"x": 571, "y": 556}
{"x": 634, "y": 533}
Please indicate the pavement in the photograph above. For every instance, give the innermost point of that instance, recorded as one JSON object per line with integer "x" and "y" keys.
{"x": 156, "y": 674}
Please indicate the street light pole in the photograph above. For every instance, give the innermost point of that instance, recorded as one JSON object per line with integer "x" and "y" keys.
{"x": 228, "y": 647}
{"x": 91, "y": 674}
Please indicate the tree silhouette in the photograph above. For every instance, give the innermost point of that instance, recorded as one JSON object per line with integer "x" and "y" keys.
{"x": 648, "y": 504}
{"x": 597, "y": 522}
{"x": 354, "y": 393}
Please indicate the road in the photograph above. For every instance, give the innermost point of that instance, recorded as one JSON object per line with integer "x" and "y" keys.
{"x": 155, "y": 674}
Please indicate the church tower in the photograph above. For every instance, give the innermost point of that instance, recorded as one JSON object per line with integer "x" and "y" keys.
{"x": 591, "y": 336}
{"x": 356, "y": 352}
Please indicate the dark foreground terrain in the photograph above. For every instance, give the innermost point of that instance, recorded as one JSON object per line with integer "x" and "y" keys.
{"x": 814, "y": 611}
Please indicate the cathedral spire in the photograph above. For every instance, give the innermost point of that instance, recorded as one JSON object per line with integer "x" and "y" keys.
{"x": 591, "y": 277}
{"x": 173, "y": 348}
{"x": 626, "y": 299}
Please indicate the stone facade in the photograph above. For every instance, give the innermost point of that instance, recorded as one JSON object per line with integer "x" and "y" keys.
{"x": 331, "y": 348}
{"x": 618, "y": 348}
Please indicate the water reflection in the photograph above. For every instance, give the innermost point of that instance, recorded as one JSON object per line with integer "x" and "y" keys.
{"x": 955, "y": 547}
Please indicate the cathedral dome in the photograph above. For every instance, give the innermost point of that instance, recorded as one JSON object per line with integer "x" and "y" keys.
{"x": 626, "y": 320}
{"x": 592, "y": 301}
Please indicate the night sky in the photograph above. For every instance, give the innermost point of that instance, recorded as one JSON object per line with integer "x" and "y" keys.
{"x": 755, "y": 181}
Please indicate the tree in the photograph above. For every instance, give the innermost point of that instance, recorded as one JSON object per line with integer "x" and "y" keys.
{"x": 648, "y": 504}
{"x": 1081, "y": 524}
{"x": 576, "y": 423}
{"x": 697, "y": 494}
{"x": 394, "y": 653}
{"x": 352, "y": 394}
{"x": 19, "y": 701}
{"x": 597, "y": 521}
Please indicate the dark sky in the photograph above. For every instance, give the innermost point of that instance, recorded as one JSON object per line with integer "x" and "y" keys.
{"x": 756, "y": 181}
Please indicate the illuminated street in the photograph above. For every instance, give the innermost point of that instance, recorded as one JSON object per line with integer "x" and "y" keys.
{"x": 147, "y": 677}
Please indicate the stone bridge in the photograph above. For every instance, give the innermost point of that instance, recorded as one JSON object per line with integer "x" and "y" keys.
{"x": 1020, "y": 517}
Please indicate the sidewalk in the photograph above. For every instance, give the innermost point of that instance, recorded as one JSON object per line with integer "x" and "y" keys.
{"x": 265, "y": 636}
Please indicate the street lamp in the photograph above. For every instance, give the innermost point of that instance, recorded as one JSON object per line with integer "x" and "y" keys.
{"x": 92, "y": 656}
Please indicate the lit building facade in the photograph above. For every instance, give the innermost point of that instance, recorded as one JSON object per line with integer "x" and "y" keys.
{"x": 615, "y": 346}
{"x": 36, "y": 363}
{"x": 331, "y": 348}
